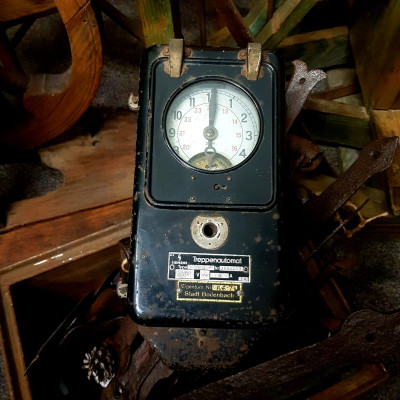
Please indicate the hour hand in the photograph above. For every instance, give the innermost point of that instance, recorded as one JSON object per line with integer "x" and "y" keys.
{"x": 212, "y": 107}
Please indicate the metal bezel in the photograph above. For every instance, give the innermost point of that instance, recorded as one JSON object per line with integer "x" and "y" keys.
{"x": 217, "y": 79}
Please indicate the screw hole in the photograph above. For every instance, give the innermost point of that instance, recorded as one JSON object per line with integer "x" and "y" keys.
{"x": 302, "y": 80}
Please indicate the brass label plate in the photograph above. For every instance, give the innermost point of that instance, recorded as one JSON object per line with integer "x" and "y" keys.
{"x": 209, "y": 291}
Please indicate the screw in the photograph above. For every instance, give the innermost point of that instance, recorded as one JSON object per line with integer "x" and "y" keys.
{"x": 239, "y": 293}
{"x": 228, "y": 199}
{"x": 192, "y": 178}
{"x": 192, "y": 199}
{"x": 179, "y": 290}
{"x": 242, "y": 54}
{"x": 229, "y": 178}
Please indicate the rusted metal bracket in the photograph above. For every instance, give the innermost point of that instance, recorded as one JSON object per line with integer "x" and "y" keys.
{"x": 365, "y": 337}
{"x": 253, "y": 56}
{"x": 300, "y": 86}
{"x": 375, "y": 157}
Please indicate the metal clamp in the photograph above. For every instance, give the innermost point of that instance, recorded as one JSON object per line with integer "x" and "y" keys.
{"x": 175, "y": 53}
{"x": 253, "y": 57}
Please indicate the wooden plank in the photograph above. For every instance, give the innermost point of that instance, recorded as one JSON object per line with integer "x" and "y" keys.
{"x": 337, "y": 92}
{"x": 156, "y": 20}
{"x": 368, "y": 377}
{"x": 52, "y": 245}
{"x": 15, "y": 9}
{"x": 386, "y": 123}
{"x": 336, "y": 123}
{"x": 318, "y": 49}
{"x": 13, "y": 356}
{"x": 36, "y": 241}
{"x": 374, "y": 37}
{"x": 88, "y": 183}
{"x": 254, "y": 21}
{"x": 234, "y": 21}
{"x": 283, "y": 21}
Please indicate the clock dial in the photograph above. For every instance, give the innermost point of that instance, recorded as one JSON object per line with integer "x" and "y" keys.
{"x": 212, "y": 125}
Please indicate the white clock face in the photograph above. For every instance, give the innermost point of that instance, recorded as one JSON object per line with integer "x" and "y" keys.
{"x": 212, "y": 125}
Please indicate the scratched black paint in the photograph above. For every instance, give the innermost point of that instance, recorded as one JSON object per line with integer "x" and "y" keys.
{"x": 168, "y": 195}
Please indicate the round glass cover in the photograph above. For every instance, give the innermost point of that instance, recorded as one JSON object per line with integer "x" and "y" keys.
{"x": 212, "y": 125}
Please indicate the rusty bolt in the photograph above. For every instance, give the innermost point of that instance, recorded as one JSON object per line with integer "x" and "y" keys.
{"x": 165, "y": 51}
{"x": 242, "y": 54}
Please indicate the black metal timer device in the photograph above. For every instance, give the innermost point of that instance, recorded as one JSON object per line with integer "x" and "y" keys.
{"x": 207, "y": 246}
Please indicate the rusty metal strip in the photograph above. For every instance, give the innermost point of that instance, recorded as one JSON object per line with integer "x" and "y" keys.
{"x": 375, "y": 157}
{"x": 300, "y": 86}
{"x": 366, "y": 337}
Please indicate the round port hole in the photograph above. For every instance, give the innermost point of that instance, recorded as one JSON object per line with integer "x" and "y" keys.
{"x": 210, "y": 230}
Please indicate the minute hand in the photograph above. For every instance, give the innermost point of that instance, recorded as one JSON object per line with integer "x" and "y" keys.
{"x": 212, "y": 107}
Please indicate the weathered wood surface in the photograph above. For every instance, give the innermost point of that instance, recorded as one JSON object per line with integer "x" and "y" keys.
{"x": 11, "y": 10}
{"x": 46, "y": 246}
{"x": 254, "y": 21}
{"x": 386, "y": 123}
{"x": 156, "y": 20}
{"x": 234, "y": 21}
{"x": 336, "y": 123}
{"x": 374, "y": 37}
{"x": 56, "y": 101}
{"x": 23, "y": 249}
{"x": 318, "y": 49}
{"x": 368, "y": 377}
{"x": 97, "y": 170}
{"x": 283, "y": 21}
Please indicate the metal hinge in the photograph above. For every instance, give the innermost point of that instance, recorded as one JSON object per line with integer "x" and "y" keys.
{"x": 253, "y": 56}
{"x": 175, "y": 51}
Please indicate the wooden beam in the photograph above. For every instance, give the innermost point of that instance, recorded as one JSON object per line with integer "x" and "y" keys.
{"x": 318, "y": 49}
{"x": 283, "y": 21}
{"x": 156, "y": 19}
{"x": 234, "y": 21}
{"x": 374, "y": 37}
{"x": 336, "y": 123}
{"x": 386, "y": 123}
{"x": 254, "y": 21}
{"x": 88, "y": 183}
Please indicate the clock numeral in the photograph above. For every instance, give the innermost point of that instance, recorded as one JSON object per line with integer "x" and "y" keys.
{"x": 224, "y": 111}
{"x": 177, "y": 115}
{"x": 176, "y": 149}
{"x": 234, "y": 149}
{"x": 234, "y": 121}
{"x": 197, "y": 110}
{"x": 186, "y": 147}
{"x": 171, "y": 132}
{"x": 242, "y": 153}
{"x": 238, "y": 134}
{"x": 230, "y": 103}
{"x": 244, "y": 118}
{"x": 192, "y": 101}
{"x": 181, "y": 133}
{"x": 208, "y": 97}
{"x": 249, "y": 135}
{"x": 188, "y": 119}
